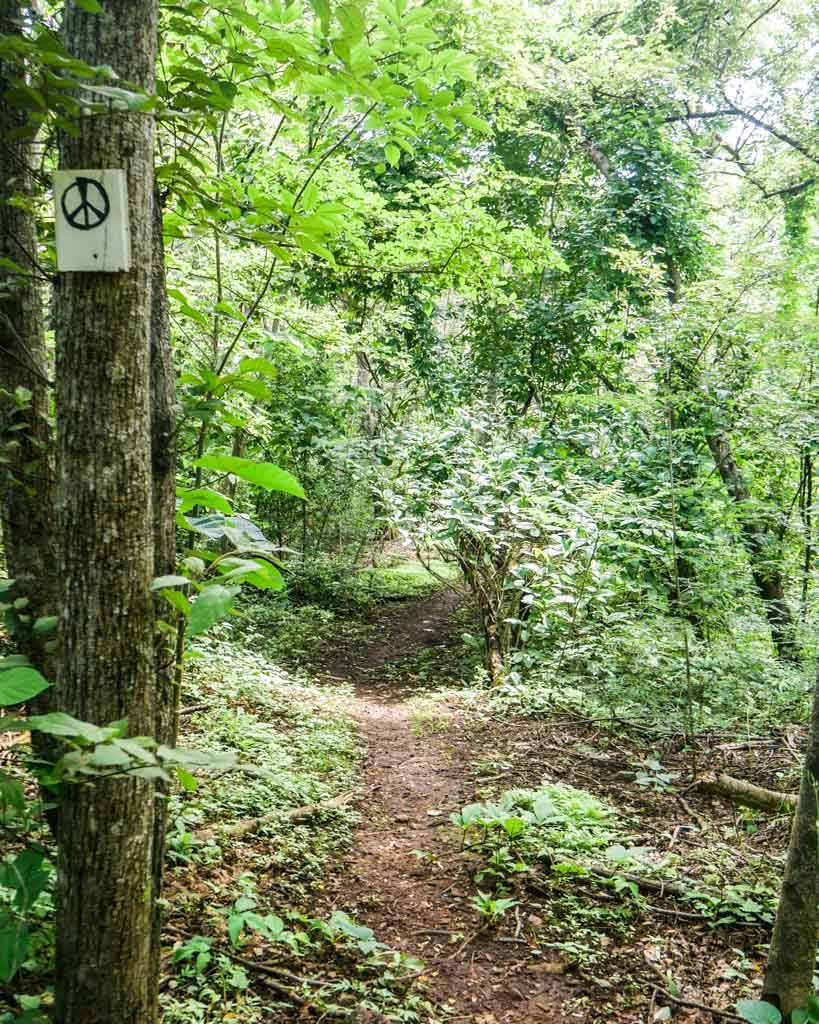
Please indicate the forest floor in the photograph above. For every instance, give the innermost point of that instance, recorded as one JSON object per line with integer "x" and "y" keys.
{"x": 567, "y": 951}
{"x": 404, "y": 877}
{"x": 650, "y": 901}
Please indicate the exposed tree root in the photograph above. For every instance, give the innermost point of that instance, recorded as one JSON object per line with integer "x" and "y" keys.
{"x": 244, "y": 828}
{"x": 746, "y": 793}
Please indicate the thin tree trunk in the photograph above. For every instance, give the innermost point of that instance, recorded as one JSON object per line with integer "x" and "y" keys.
{"x": 765, "y": 572}
{"x": 163, "y": 461}
{"x": 792, "y": 956}
{"x": 27, "y": 484}
{"x": 106, "y": 551}
{"x": 806, "y": 510}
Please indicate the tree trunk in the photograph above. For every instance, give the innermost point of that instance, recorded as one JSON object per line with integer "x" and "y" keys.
{"x": 106, "y": 551}
{"x": 163, "y": 462}
{"x": 27, "y": 487}
{"x": 765, "y": 572}
{"x": 792, "y": 956}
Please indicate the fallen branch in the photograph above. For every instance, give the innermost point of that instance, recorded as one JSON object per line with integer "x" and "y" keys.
{"x": 746, "y": 793}
{"x": 692, "y": 1004}
{"x": 658, "y": 885}
{"x": 191, "y": 709}
{"x": 296, "y": 814}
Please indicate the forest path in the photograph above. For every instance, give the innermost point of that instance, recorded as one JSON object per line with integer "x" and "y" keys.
{"x": 407, "y": 877}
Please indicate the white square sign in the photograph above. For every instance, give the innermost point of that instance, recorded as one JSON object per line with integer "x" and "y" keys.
{"x": 91, "y": 221}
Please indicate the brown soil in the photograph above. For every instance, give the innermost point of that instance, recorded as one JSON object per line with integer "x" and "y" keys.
{"x": 408, "y": 878}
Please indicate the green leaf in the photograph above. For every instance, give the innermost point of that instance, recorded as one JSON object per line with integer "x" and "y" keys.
{"x": 13, "y": 947}
{"x": 27, "y": 875}
{"x": 169, "y": 581}
{"x": 756, "y": 1011}
{"x": 12, "y": 795}
{"x": 204, "y": 496}
{"x": 322, "y": 9}
{"x": 351, "y": 19}
{"x": 186, "y": 780}
{"x": 343, "y": 923}
{"x": 213, "y": 604}
{"x": 107, "y": 755}
{"x": 236, "y": 923}
{"x": 259, "y": 573}
{"x": 45, "y": 624}
{"x": 92, "y": 6}
{"x": 178, "y": 600}
{"x": 263, "y": 474}
{"x": 60, "y": 724}
{"x": 258, "y": 364}
{"x": 19, "y": 684}
{"x": 392, "y": 153}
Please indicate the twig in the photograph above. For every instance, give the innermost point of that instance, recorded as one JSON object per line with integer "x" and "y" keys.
{"x": 467, "y": 940}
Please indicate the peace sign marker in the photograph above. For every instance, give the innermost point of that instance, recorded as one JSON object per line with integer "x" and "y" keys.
{"x": 91, "y": 221}
{"x": 85, "y": 204}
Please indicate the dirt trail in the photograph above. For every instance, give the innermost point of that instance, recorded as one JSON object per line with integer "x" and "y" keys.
{"x": 418, "y": 902}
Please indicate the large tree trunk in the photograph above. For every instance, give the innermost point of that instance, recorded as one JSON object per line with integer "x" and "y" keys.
{"x": 792, "y": 956}
{"x": 765, "y": 572}
{"x": 106, "y": 552}
{"x": 27, "y": 485}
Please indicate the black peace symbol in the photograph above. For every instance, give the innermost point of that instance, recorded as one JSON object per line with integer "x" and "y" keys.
{"x": 85, "y": 204}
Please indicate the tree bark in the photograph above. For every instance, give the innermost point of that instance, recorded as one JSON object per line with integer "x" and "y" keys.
{"x": 765, "y": 572}
{"x": 792, "y": 956}
{"x": 27, "y": 486}
{"x": 106, "y": 551}
{"x": 163, "y": 464}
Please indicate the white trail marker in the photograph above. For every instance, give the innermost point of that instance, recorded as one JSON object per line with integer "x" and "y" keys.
{"x": 91, "y": 221}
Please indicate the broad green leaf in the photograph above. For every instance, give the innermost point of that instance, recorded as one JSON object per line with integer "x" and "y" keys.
{"x": 204, "y": 496}
{"x": 258, "y": 364}
{"x": 92, "y": 6}
{"x": 60, "y": 724}
{"x": 45, "y": 624}
{"x": 19, "y": 684}
{"x": 263, "y": 474}
{"x": 756, "y": 1011}
{"x": 213, "y": 604}
{"x": 13, "y": 947}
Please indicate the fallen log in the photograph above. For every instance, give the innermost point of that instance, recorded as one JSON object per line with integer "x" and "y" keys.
{"x": 295, "y": 814}
{"x": 746, "y": 793}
